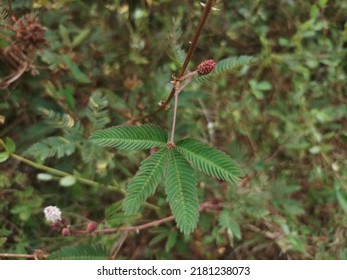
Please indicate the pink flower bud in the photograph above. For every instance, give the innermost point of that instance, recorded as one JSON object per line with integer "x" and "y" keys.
{"x": 91, "y": 227}
{"x": 65, "y": 232}
{"x": 206, "y": 67}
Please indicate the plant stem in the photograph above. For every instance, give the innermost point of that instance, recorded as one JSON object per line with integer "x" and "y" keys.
{"x": 177, "y": 91}
{"x": 178, "y": 88}
{"x": 205, "y": 206}
{"x": 60, "y": 173}
{"x": 188, "y": 76}
{"x": 24, "y": 256}
{"x": 196, "y": 37}
{"x": 191, "y": 50}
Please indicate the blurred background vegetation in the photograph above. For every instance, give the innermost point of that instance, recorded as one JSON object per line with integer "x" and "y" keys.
{"x": 283, "y": 120}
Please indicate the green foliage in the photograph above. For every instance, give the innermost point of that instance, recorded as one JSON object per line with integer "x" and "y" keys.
{"x": 180, "y": 187}
{"x": 4, "y": 18}
{"x": 52, "y": 146}
{"x": 209, "y": 160}
{"x": 131, "y": 137}
{"x": 76, "y": 73}
{"x": 283, "y": 121}
{"x": 227, "y": 221}
{"x": 98, "y": 115}
{"x": 97, "y": 111}
{"x": 9, "y": 146}
{"x": 61, "y": 146}
{"x": 180, "y": 181}
{"x": 145, "y": 181}
{"x": 80, "y": 252}
{"x": 173, "y": 48}
{"x": 57, "y": 119}
{"x": 228, "y": 66}
{"x": 3, "y": 157}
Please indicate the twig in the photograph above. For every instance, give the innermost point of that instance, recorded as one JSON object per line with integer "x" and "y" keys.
{"x": 203, "y": 207}
{"x": 118, "y": 245}
{"x": 130, "y": 228}
{"x": 24, "y": 256}
{"x": 255, "y": 229}
{"x": 178, "y": 88}
{"x": 192, "y": 48}
{"x": 177, "y": 91}
{"x": 35, "y": 256}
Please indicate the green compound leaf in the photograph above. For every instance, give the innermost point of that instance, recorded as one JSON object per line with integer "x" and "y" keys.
{"x": 4, "y": 18}
{"x": 81, "y": 252}
{"x": 97, "y": 112}
{"x": 228, "y": 65}
{"x": 131, "y": 137}
{"x": 145, "y": 181}
{"x": 58, "y": 120}
{"x": 228, "y": 221}
{"x": 209, "y": 160}
{"x": 76, "y": 72}
{"x": 180, "y": 186}
{"x": 53, "y": 146}
{"x": 173, "y": 48}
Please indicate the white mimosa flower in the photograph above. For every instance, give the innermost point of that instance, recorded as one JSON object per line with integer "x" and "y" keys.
{"x": 52, "y": 214}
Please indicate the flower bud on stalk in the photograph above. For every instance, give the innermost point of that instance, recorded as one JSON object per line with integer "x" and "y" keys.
{"x": 206, "y": 67}
{"x": 91, "y": 227}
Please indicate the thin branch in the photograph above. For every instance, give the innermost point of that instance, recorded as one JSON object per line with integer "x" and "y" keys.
{"x": 267, "y": 234}
{"x": 203, "y": 207}
{"x": 192, "y": 48}
{"x": 61, "y": 173}
{"x": 24, "y": 256}
{"x": 130, "y": 228}
{"x": 35, "y": 256}
{"x": 177, "y": 90}
{"x": 118, "y": 245}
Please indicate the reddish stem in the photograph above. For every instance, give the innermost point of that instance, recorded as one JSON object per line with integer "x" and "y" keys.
{"x": 191, "y": 50}
{"x": 177, "y": 91}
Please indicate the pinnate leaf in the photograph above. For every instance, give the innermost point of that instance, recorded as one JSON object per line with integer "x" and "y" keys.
{"x": 145, "y": 181}
{"x": 228, "y": 221}
{"x": 181, "y": 192}
{"x": 131, "y": 137}
{"x": 80, "y": 252}
{"x": 209, "y": 160}
{"x": 228, "y": 65}
{"x": 53, "y": 146}
{"x": 173, "y": 48}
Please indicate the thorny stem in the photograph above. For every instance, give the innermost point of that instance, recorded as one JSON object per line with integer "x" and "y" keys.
{"x": 191, "y": 50}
